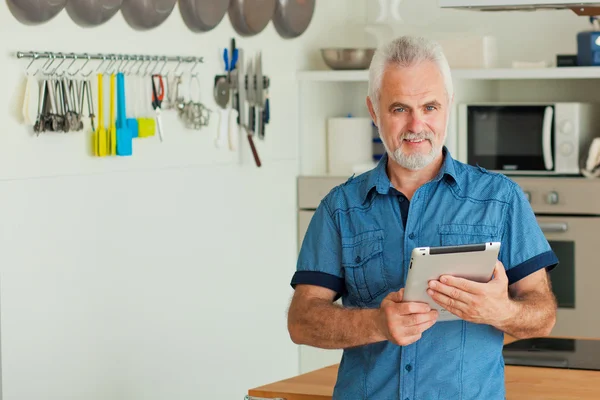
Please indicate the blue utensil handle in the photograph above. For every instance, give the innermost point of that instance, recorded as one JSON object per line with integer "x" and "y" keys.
{"x": 121, "y": 117}
{"x": 226, "y": 60}
{"x": 234, "y": 59}
{"x": 267, "y": 114}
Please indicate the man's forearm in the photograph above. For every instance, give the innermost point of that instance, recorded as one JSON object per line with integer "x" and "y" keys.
{"x": 530, "y": 316}
{"x": 320, "y": 323}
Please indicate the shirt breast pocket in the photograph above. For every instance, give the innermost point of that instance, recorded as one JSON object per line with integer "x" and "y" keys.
{"x": 362, "y": 259}
{"x": 460, "y": 234}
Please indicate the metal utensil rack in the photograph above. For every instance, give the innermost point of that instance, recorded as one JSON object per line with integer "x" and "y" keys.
{"x": 35, "y": 55}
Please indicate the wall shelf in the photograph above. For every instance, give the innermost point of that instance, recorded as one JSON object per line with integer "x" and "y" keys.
{"x": 465, "y": 74}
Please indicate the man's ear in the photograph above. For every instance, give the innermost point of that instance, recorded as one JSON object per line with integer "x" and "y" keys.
{"x": 372, "y": 111}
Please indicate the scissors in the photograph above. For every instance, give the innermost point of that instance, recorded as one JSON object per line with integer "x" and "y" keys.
{"x": 157, "y": 99}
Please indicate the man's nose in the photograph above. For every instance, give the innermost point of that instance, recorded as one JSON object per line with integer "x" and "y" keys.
{"x": 415, "y": 124}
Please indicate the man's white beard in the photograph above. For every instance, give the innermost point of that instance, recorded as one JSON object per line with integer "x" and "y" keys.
{"x": 415, "y": 161}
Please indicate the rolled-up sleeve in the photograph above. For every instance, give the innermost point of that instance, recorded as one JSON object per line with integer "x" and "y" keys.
{"x": 319, "y": 261}
{"x": 524, "y": 249}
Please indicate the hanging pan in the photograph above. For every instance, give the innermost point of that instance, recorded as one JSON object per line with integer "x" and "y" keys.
{"x": 86, "y": 13}
{"x": 34, "y": 12}
{"x": 250, "y": 17}
{"x": 146, "y": 14}
{"x": 202, "y": 15}
{"x": 292, "y": 17}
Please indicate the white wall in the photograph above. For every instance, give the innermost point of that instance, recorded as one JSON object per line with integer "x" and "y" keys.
{"x": 160, "y": 276}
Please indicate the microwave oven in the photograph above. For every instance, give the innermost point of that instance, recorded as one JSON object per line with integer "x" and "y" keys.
{"x": 527, "y": 138}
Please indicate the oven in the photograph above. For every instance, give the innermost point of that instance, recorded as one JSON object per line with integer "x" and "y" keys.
{"x": 568, "y": 212}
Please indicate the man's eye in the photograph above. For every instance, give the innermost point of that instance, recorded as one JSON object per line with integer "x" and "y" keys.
{"x": 431, "y": 108}
{"x": 398, "y": 109}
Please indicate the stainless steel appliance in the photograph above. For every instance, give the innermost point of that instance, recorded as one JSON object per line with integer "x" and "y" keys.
{"x": 568, "y": 211}
{"x": 527, "y": 138}
{"x": 554, "y": 353}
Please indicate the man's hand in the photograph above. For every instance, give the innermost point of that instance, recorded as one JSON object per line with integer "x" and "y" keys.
{"x": 403, "y": 323}
{"x": 481, "y": 303}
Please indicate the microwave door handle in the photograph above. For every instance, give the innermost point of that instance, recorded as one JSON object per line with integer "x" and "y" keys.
{"x": 547, "y": 138}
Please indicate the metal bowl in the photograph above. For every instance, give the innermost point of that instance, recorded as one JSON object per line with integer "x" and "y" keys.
{"x": 348, "y": 58}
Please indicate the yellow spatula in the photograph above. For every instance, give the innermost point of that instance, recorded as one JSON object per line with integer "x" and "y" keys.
{"x": 113, "y": 121}
{"x": 100, "y": 145}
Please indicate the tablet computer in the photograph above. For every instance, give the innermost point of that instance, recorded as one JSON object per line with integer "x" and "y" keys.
{"x": 473, "y": 261}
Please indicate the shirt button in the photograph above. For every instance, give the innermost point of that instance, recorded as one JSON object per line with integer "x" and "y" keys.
{"x": 357, "y": 259}
{"x": 401, "y": 199}
{"x": 408, "y": 367}
{"x": 411, "y": 236}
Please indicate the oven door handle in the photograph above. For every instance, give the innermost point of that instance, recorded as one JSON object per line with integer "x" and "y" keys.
{"x": 554, "y": 227}
{"x": 547, "y": 138}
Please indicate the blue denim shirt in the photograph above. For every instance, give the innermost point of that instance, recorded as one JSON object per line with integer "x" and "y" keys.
{"x": 358, "y": 244}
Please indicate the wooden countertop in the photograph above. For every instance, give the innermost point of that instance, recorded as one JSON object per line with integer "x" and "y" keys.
{"x": 522, "y": 383}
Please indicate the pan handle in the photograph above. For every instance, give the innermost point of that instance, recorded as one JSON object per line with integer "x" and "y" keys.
{"x": 254, "y": 152}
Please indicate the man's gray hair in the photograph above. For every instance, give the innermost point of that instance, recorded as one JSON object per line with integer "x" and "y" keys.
{"x": 406, "y": 51}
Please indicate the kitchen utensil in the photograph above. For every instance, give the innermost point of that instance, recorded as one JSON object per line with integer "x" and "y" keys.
{"x": 259, "y": 99}
{"x": 90, "y": 103}
{"x": 31, "y": 100}
{"x": 221, "y": 94}
{"x": 112, "y": 130}
{"x": 88, "y": 13}
{"x": 234, "y": 105}
{"x": 240, "y": 88}
{"x": 132, "y": 122}
{"x": 348, "y": 58}
{"x": 292, "y": 17}
{"x": 146, "y": 125}
{"x": 202, "y": 15}
{"x": 157, "y": 98}
{"x": 250, "y": 17}
{"x": 34, "y": 12}
{"x": 100, "y": 142}
{"x": 146, "y": 14}
{"x": 250, "y": 96}
{"x": 123, "y": 134}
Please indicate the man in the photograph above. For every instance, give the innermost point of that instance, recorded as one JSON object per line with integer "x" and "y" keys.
{"x": 359, "y": 241}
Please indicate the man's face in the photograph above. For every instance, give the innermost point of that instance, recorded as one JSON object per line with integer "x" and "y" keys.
{"x": 413, "y": 114}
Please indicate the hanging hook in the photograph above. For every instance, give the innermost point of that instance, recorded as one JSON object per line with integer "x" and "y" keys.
{"x": 164, "y": 59}
{"x": 84, "y": 64}
{"x": 156, "y": 59}
{"x": 43, "y": 66}
{"x": 147, "y": 66}
{"x": 55, "y": 70}
{"x": 70, "y": 65}
{"x": 176, "y": 67}
{"x": 134, "y": 61}
{"x": 124, "y": 61}
{"x": 192, "y": 73}
{"x": 48, "y": 64}
{"x": 101, "y": 63}
{"x": 141, "y": 59}
{"x": 35, "y": 57}
{"x": 113, "y": 61}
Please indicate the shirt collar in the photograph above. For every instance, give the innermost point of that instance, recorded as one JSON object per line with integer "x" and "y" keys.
{"x": 378, "y": 178}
